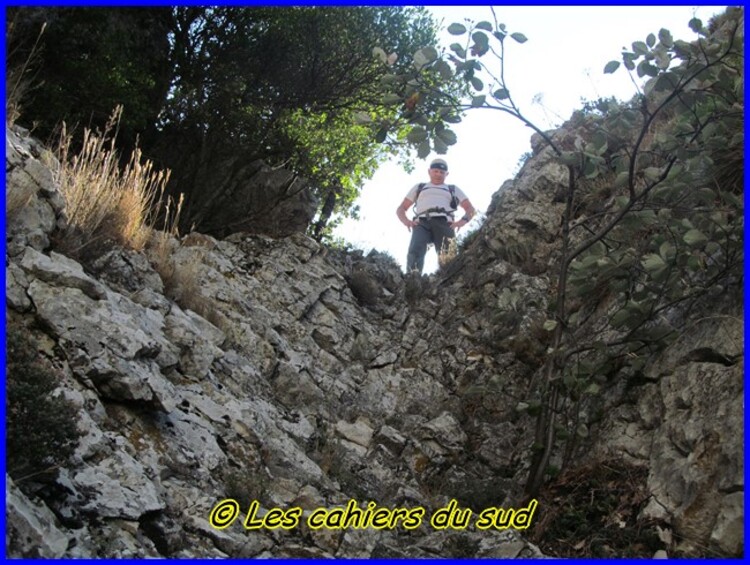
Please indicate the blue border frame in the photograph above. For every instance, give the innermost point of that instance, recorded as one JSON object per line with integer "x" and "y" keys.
{"x": 308, "y": 3}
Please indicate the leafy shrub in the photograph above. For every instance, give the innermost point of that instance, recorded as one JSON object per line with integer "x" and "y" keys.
{"x": 41, "y": 431}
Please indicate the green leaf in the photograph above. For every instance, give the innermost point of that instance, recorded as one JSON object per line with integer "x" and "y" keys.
{"x": 423, "y": 150}
{"x": 391, "y": 98}
{"x": 381, "y": 135}
{"x": 519, "y": 37}
{"x": 662, "y": 59}
{"x": 582, "y": 431}
{"x": 707, "y": 196}
{"x": 417, "y": 135}
{"x": 663, "y": 83}
{"x": 622, "y": 179}
{"x": 379, "y": 54}
{"x": 570, "y": 158}
{"x": 694, "y": 238}
{"x": 611, "y": 67}
{"x": 477, "y": 83}
{"x": 444, "y": 69}
{"x": 593, "y": 388}
{"x": 653, "y": 262}
{"x": 481, "y": 39}
{"x": 619, "y": 319}
{"x": 599, "y": 143}
{"x": 629, "y": 59}
{"x": 694, "y": 263}
{"x": 456, "y": 29}
{"x": 665, "y": 37}
{"x": 666, "y": 251}
{"x": 573, "y": 319}
{"x": 696, "y": 25}
{"x": 651, "y": 40}
{"x": 425, "y": 56}
{"x": 501, "y": 94}
{"x": 647, "y": 69}
{"x": 478, "y": 101}
{"x": 550, "y": 325}
{"x": 598, "y": 249}
{"x": 440, "y": 146}
{"x": 447, "y": 136}
{"x": 652, "y": 173}
{"x": 640, "y": 48}
{"x": 362, "y": 118}
{"x": 458, "y": 49}
{"x": 486, "y": 26}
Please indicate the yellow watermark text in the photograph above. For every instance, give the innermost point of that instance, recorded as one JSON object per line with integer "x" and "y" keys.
{"x": 371, "y": 516}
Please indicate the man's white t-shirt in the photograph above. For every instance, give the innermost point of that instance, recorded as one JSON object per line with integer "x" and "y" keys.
{"x": 434, "y": 196}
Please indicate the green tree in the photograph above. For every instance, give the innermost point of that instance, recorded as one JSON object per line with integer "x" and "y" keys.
{"x": 283, "y": 85}
{"x": 91, "y": 60}
{"x": 41, "y": 427}
{"x": 669, "y": 235}
{"x": 204, "y": 86}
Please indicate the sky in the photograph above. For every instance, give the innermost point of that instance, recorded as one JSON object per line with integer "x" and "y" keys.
{"x": 548, "y": 76}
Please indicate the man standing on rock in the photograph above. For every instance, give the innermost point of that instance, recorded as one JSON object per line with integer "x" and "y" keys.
{"x": 436, "y": 203}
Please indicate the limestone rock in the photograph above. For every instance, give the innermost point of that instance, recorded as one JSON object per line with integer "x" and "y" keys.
{"x": 32, "y": 531}
{"x": 34, "y": 205}
{"x": 264, "y": 372}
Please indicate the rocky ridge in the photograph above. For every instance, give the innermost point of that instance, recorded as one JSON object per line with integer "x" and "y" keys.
{"x": 280, "y": 371}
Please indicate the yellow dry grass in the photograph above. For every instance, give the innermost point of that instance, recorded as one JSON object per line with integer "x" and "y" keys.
{"x": 105, "y": 202}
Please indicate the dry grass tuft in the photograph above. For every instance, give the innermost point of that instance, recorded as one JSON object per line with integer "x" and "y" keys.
{"x": 18, "y": 80}
{"x": 106, "y": 203}
{"x": 448, "y": 252}
{"x": 162, "y": 244}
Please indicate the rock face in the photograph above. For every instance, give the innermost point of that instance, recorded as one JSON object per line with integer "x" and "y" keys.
{"x": 281, "y": 372}
{"x": 251, "y": 197}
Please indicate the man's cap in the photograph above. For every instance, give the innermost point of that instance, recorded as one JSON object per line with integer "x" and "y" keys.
{"x": 439, "y": 164}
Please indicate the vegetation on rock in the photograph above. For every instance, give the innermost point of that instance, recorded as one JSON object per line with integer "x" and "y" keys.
{"x": 664, "y": 227}
{"x": 205, "y": 84}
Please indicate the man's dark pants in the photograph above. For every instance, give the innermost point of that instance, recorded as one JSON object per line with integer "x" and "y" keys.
{"x": 430, "y": 230}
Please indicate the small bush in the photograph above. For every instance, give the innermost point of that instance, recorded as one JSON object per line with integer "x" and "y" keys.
{"x": 41, "y": 431}
{"x": 596, "y": 511}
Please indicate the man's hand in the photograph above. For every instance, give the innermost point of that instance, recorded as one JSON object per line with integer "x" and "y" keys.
{"x": 401, "y": 213}
{"x": 409, "y": 223}
{"x": 458, "y": 224}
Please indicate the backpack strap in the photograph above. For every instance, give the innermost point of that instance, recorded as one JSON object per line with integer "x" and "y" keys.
{"x": 420, "y": 188}
{"x": 454, "y": 201}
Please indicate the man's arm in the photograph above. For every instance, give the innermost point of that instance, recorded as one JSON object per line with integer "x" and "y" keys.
{"x": 401, "y": 213}
{"x": 470, "y": 212}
